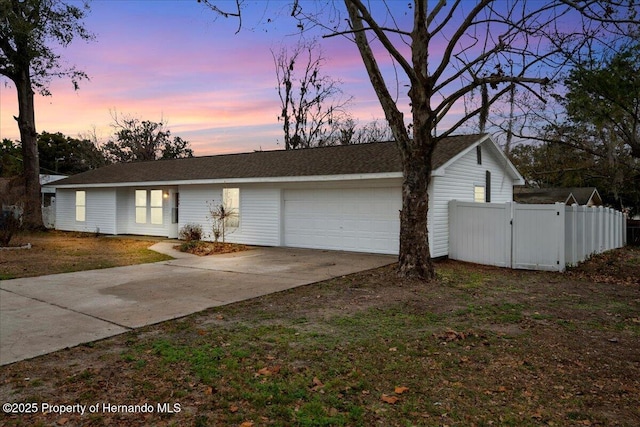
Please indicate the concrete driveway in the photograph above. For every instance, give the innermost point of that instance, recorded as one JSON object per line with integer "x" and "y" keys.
{"x": 40, "y": 315}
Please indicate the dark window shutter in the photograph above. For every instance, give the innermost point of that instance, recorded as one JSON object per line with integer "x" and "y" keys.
{"x": 487, "y": 192}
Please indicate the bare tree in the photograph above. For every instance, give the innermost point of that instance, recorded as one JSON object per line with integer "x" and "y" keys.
{"x": 310, "y": 101}
{"x": 446, "y": 52}
{"x": 143, "y": 140}
{"x": 26, "y": 29}
{"x": 349, "y": 132}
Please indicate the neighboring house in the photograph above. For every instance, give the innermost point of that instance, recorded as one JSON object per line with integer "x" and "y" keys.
{"x": 12, "y": 194}
{"x": 49, "y": 199}
{"x": 341, "y": 197}
{"x": 583, "y": 196}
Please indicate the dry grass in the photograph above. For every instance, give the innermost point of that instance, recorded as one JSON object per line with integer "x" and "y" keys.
{"x": 480, "y": 346}
{"x": 61, "y": 252}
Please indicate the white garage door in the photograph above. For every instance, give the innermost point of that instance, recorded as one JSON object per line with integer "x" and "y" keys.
{"x": 360, "y": 220}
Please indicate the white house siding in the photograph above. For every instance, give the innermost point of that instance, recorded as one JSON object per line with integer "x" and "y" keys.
{"x": 193, "y": 207}
{"x": 99, "y": 213}
{"x": 458, "y": 184}
{"x": 123, "y": 201}
{"x": 259, "y": 212}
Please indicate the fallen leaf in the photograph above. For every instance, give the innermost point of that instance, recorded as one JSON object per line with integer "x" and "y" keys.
{"x": 219, "y": 317}
{"x": 202, "y": 332}
{"x": 247, "y": 424}
{"x": 317, "y": 384}
{"x": 269, "y": 370}
{"x": 401, "y": 389}
{"x": 389, "y": 399}
{"x": 63, "y": 421}
{"x": 208, "y": 390}
{"x": 502, "y": 389}
{"x": 450, "y": 335}
{"x": 393, "y": 349}
{"x": 233, "y": 409}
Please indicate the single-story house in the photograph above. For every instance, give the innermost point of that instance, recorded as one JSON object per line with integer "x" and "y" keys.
{"x": 339, "y": 197}
{"x": 583, "y": 196}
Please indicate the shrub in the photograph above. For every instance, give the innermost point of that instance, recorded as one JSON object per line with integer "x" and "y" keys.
{"x": 191, "y": 232}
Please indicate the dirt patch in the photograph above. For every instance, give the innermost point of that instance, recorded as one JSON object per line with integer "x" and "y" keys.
{"x": 201, "y": 248}
{"x": 479, "y": 346}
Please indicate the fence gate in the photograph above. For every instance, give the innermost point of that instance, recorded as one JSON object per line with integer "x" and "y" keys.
{"x": 538, "y": 237}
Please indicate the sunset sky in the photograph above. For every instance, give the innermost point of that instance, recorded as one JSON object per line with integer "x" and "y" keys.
{"x": 175, "y": 60}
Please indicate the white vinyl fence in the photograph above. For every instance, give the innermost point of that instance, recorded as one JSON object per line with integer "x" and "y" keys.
{"x": 533, "y": 237}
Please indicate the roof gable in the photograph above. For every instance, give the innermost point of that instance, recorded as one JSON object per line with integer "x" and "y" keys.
{"x": 361, "y": 159}
{"x": 486, "y": 141}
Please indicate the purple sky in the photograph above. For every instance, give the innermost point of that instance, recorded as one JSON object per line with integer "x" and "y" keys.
{"x": 174, "y": 60}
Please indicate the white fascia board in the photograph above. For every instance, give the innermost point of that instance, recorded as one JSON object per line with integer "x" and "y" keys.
{"x": 226, "y": 181}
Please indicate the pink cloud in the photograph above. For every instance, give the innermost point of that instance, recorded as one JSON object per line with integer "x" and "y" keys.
{"x": 171, "y": 61}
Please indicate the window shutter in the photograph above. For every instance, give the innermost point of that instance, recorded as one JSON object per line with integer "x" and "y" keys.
{"x": 487, "y": 185}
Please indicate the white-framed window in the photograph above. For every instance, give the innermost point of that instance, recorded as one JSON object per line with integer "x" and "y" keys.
{"x": 231, "y": 203}
{"x": 81, "y": 205}
{"x": 478, "y": 193}
{"x": 141, "y": 206}
{"x": 155, "y": 199}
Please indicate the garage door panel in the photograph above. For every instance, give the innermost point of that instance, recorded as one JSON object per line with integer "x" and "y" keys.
{"x": 364, "y": 219}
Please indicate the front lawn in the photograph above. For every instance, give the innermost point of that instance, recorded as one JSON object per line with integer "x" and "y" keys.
{"x": 481, "y": 346}
{"x": 61, "y": 252}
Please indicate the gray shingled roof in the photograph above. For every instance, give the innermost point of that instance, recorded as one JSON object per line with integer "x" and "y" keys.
{"x": 380, "y": 157}
{"x": 580, "y": 195}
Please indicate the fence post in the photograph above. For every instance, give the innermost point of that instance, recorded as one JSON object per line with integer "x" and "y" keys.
{"x": 508, "y": 214}
{"x": 560, "y": 236}
{"x": 570, "y": 243}
{"x": 608, "y": 229}
{"x": 624, "y": 229}
{"x": 600, "y": 229}
{"x": 453, "y": 227}
{"x": 592, "y": 230}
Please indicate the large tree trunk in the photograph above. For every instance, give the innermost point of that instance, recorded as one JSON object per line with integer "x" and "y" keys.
{"x": 415, "y": 257}
{"x": 32, "y": 216}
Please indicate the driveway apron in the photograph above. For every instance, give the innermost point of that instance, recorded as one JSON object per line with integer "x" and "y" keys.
{"x": 39, "y": 315}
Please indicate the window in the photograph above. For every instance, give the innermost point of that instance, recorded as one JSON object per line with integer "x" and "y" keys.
{"x": 141, "y": 206}
{"x": 81, "y": 205}
{"x": 231, "y": 203}
{"x": 479, "y": 154}
{"x": 478, "y": 193}
{"x": 156, "y": 206}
